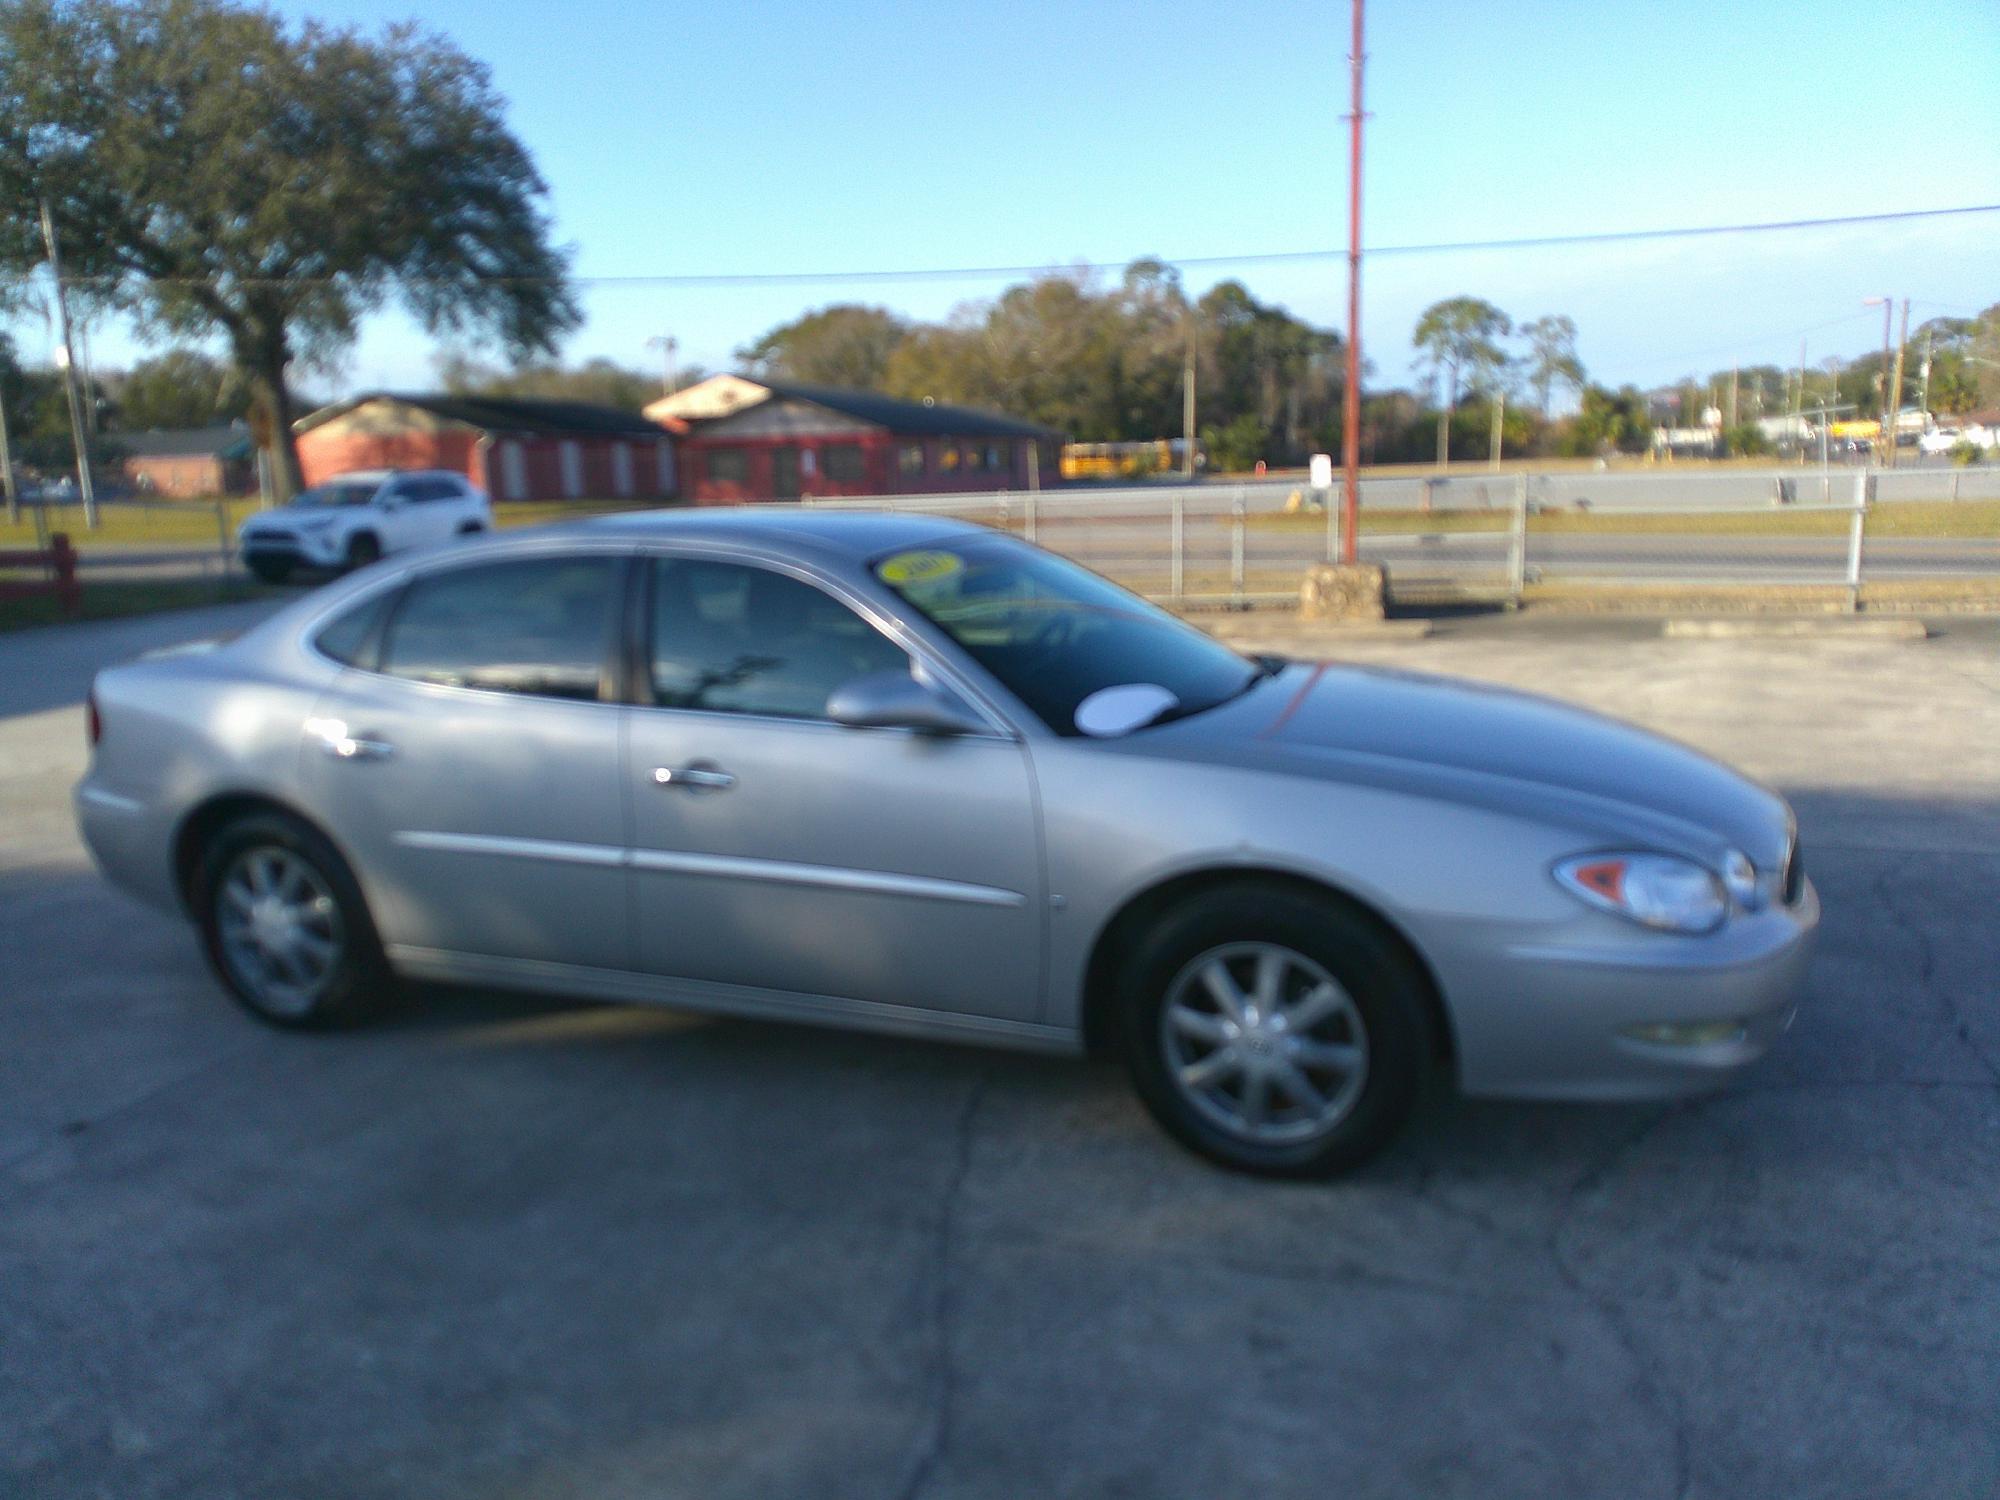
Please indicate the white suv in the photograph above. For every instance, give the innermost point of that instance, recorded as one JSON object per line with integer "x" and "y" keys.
{"x": 352, "y": 519}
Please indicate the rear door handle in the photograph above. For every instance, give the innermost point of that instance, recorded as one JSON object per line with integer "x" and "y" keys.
{"x": 694, "y": 778}
{"x": 335, "y": 740}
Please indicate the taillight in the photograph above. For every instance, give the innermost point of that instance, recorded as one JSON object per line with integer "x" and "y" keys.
{"x": 93, "y": 720}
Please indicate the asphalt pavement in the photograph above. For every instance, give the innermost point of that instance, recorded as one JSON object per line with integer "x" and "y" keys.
{"x": 517, "y": 1248}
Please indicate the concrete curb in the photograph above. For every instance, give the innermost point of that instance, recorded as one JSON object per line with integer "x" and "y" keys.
{"x": 1812, "y": 627}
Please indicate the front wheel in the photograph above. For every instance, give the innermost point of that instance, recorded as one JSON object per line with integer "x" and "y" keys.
{"x": 285, "y": 926}
{"x": 1274, "y": 1032}
{"x": 363, "y": 550}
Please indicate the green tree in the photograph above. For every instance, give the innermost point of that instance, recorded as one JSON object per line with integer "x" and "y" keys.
{"x": 1608, "y": 422}
{"x": 843, "y": 345}
{"x": 180, "y": 388}
{"x": 1552, "y": 358}
{"x": 600, "y": 381}
{"x": 1457, "y": 342}
{"x": 223, "y": 174}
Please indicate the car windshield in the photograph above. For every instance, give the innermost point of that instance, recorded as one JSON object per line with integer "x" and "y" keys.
{"x": 1059, "y": 636}
{"x": 338, "y": 492}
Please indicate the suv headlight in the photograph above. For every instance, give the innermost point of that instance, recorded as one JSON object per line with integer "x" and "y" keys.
{"x": 1661, "y": 891}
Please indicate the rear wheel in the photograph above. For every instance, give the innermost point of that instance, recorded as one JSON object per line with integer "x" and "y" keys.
{"x": 286, "y": 928}
{"x": 1273, "y": 1032}
{"x": 363, "y": 549}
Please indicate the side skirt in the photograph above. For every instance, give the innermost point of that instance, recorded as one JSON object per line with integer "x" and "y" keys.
{"x": 542, "y": 977}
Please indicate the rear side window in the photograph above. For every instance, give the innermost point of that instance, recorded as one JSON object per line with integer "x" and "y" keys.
{"x": 539, "y": 626}
{"x": 351, "y": 639}
{"x": 734, "y": 639}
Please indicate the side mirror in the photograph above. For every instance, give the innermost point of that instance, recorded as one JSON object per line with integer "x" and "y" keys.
{"x": 896, "y": 700}
{"x": 390, "y": 501}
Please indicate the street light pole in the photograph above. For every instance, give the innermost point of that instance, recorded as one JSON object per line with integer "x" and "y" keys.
{"x": 1350, "y": 433}
{"x": 666, "y": 343}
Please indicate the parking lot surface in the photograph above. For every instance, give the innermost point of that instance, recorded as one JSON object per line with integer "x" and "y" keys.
{"x": 515, "y": 1248}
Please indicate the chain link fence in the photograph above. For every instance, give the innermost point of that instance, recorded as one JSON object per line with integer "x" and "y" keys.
{"x": 1502, "y": 535}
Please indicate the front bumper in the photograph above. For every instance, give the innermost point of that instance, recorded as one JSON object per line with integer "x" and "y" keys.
{"x": 305, "y": 550}
{"x": 1558, "y": 1020}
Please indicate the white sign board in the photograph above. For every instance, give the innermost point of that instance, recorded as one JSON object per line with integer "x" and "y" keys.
{"x": 1322, "y": 471}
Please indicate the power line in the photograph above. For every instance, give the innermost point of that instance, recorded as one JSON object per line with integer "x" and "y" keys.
{"x": 1251, "y": 258}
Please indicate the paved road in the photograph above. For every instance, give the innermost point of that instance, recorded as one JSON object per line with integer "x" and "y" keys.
{"x": 506, "y": 1248}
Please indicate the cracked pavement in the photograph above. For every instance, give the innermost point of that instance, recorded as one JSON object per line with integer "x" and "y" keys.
{"x": 517, "y": 1248}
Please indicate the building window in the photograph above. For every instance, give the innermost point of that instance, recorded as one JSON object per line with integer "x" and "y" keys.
{"x": 841, "y": 462}
{"x": 570, "y": 457}
{"x": 910, "y": 459}
{"x": 948, "y": 457}
{"x": 621, "y": 469}
{"x": 991, "y": 458}
{"x": 728, "y": 466}
{"x": 513, "y": 471}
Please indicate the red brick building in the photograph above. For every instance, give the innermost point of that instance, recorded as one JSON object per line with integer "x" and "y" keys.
{"x": 513, "y": 448}
{"x": 756, "y": 439}
{"x": 189, "y": 462}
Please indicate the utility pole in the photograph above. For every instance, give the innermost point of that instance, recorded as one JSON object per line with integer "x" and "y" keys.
{"x": 1732, "y": 396}
{"x": 84, "y": 489}
{"x": 1888, "y": 309}
{"x": 1350, "y": 432}
{"x": 1896, "y": 385}
{"x": 1924, "y": 370}
{"x": 666, "y": 343}
{"x": 1499, "y": 422}
{"x": 1187, "y": 400}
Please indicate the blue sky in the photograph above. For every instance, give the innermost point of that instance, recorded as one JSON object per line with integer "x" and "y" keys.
{"x": 786, "y": 136}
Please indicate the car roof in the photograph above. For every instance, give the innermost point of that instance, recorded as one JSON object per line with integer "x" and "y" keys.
{"x": 379, "y": 476}
{"x": 845, "y": 535}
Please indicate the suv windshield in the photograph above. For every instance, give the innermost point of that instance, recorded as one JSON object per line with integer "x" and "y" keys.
{"x": 339, "y": 492}
{"x": 1055, "y": 634}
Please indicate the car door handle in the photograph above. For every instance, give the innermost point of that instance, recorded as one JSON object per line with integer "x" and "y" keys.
{"x": 694, "y": 778}
{"x": 337, "y": 742}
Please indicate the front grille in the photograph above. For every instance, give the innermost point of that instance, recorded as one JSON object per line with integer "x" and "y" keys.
{"x": 1795, "y": 873}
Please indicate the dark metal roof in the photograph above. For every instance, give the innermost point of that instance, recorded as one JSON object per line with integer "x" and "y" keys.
{"x": 504, "y": 414}
{"x": 916, "y": 418}
{"x": 185, "y": 442}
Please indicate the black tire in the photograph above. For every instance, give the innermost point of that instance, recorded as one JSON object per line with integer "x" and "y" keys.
{"x": 270, "y": 569}
{"x": 363, "y": 548}
{"x": 357, "y": 985}
{"x": 470, "y": 528}
{"x": 1388, "y": 995}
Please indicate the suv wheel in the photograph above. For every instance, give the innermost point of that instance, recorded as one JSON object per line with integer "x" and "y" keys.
{"x": 1275, "y": 1033}
{"x": 285, "y": 926}
{"x": 362, "y": 549}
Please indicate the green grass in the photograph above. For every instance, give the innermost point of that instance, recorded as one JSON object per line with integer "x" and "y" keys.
{"x": 159, "y": 522}
{"x": 1959, "y": 519}
{"x": 110, "y": 601}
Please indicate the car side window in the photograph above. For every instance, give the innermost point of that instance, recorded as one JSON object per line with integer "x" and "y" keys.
{"x": 734, "y": 639}
{"x": 430, "y": 489}
{"x": 538, "y": 626}
{"x": 352, "y": 638}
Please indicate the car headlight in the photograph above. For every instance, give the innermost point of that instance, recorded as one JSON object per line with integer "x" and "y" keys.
{"x": 319, "y": 525}
{"x": 1661, "y": 891}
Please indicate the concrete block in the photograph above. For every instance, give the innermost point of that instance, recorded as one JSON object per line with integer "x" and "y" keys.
{"x": 1343, "y": 591}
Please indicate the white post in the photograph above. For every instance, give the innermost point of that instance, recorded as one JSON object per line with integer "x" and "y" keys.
{"x": 1854, "y": 532}
{"x": 1236, "y": 547}
{"x": 1517, "y": 547}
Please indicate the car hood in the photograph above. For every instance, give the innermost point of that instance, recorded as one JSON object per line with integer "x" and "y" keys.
{"x": 1493, "y": 747}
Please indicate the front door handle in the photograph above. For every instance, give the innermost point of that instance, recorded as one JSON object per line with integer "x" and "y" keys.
{"x": 694, "y": 778}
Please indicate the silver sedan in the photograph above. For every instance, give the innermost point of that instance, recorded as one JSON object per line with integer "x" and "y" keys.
{"x": 907, "y": 775}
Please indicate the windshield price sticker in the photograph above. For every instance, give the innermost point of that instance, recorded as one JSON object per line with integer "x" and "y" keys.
{"x": 920, "y": 567}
